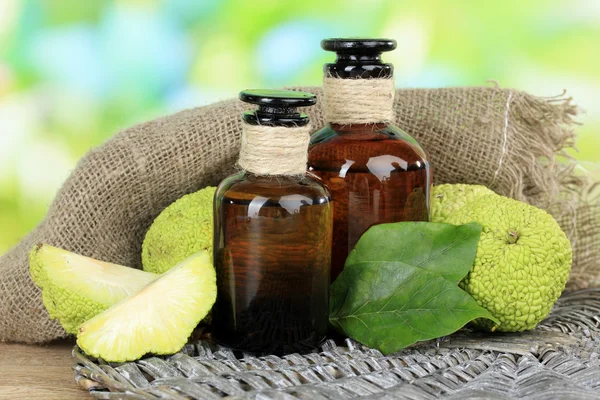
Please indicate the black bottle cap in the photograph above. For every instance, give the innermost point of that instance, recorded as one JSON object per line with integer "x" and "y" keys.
{"x": 277, "y": 107}
{"x": 358, "y": 58}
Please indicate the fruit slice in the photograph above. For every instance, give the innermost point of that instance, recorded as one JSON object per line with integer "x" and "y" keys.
{"x": 76, "y": 288}
{"x": 159, "y": 319}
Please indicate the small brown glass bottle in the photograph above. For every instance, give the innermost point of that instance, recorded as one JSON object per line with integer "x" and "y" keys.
{"x": 272, "y": 235}
{"x": 375, "y": 171}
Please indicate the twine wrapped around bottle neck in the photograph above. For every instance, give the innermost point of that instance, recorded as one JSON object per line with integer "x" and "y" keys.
{"x": 274, "y": 150}
{"x": 358, "y": 101}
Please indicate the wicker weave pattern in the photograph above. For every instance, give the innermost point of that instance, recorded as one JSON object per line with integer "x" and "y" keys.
{"x": 561, "y": 359}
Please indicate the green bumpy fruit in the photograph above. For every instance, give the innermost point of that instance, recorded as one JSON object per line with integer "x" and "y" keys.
{"x": 522, "y": 264}
{"x": 182, "y": 229}
{"x": 446, "y": 199}
{"x": 159, "y": 319}
{"x": 76, "y": 288}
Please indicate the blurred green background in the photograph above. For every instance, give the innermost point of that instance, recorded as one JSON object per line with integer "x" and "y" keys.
{"x": 72, "y": 73}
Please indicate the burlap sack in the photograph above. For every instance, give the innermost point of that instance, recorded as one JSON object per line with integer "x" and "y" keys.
{"x": 505, "y": 139}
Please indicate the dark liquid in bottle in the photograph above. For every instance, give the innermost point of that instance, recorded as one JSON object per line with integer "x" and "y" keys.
{"x": 272, "y": 256}
{"x": 376, "y": 174}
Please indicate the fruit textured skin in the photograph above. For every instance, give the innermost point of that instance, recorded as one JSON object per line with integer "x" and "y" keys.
{"x": 449, "y": 198}
{"x": 180, "y": 230}
{"x": 76, "y": 288}
{"x": 522, "y": 264}
{"x": 159, "y": 319}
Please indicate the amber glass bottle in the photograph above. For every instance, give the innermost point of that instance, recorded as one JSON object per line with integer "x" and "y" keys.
{"x": 272, "y": 235}
{"x": 375, "y": 171}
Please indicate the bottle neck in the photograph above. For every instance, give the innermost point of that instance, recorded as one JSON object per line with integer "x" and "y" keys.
{"x": 371, "y": 131}
{"x": 348, "y": 66}
{"x": 274, "y": 150}
{"x": 275, "y": 117}
{"x": 358, "y": 101}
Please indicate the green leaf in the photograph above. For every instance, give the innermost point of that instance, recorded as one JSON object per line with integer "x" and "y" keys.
{"x": 445, "y": 249}
{"x": 391, "y": 305}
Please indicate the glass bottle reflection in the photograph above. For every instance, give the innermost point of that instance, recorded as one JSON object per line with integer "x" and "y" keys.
{"x": 272, "y": 256}
{"x": 376, "y": 172}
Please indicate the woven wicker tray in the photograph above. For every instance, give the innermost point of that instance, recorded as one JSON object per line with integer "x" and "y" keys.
{"x": 560, "y": 359}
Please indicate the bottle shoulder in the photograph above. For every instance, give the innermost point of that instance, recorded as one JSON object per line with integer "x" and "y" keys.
{"x": 362, "y": 143}
{"x": 246, "y": 187}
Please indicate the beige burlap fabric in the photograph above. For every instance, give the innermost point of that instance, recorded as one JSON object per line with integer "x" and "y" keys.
{"x": 505, "y": 139}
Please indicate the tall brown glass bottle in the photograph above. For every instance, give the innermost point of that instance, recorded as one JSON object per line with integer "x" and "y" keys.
{"x": 375, "y": 171}
{"x": 272, "y": 235}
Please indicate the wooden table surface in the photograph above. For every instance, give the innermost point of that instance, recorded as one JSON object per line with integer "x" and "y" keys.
{"x": 38, "y": 372}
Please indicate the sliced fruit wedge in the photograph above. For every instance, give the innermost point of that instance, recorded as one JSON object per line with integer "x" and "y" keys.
{"x": 76, "y": 288}
{"x": 159, "y": 319}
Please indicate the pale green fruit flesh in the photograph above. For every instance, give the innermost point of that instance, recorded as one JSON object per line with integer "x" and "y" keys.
{"x": 159, "y": 319}
{"x": 76, "y": 288}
